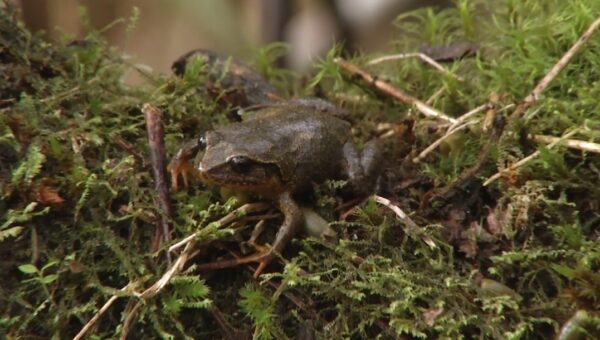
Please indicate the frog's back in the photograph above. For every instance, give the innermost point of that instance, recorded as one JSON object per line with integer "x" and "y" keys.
{"x": 306, "y": 144}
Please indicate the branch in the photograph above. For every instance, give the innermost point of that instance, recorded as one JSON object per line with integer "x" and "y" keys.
{"x": 156, "y": 142}
{"x": 392, "y": 91}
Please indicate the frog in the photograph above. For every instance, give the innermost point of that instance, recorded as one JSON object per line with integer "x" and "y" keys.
{"x": 279, "y": 152}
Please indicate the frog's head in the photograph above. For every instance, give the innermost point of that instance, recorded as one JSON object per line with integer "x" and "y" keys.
{"x": 233, "y": 164}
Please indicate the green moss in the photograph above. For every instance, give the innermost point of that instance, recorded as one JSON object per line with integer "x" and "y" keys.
{"x": 78, "y": 211}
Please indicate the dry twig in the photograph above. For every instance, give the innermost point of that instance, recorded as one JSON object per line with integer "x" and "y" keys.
{"x": 156, "y": 142}
{"x": 129, "y": 320}
{"x": 554, "y": 71}
{"x": 411, "y": 226}
{"x": 435, "y": 96}
{"x": 392, "y": 91}
{"x": 439, "y": 141}
{"x": 526, "y": 159}
{"x": 569, "y": 143}
{"x": 424, "y": 58}
{"x": 101, "y": 311}
{"x": 241, "y": 211}
{"x": 130, "y": 148}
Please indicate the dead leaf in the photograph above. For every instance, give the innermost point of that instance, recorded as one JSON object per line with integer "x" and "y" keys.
{"x": 431, "y": 314}
{"x": 494, "y": 225}
{"x": 468, "y": 243}
{"x": 47, "y": 195}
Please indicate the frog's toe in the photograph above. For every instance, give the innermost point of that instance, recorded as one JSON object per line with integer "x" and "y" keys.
{"x": 176, "y": 169}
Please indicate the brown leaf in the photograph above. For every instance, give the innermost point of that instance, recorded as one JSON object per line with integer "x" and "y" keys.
{"x": 468, "y": 243}
{"x": 47, "y": 195}
{"x": 431, "y": 314}
{"x": 494, "y": 225}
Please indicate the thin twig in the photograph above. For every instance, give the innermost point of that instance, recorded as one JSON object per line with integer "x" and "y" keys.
{"x": 394, "y": 92}
{"x": 230, "y": 333}
{"x": 176, "y": 267}
{"x": 129, "y": 148}
{"x": 98, "y": 314}
{"x": 554, "y": 71}
{"x": 526, "y": 159}
{"x": 439, "y": 141}
{"x": 232, "y": 216}
{"x": 411, "y": 226}
{"x": 424, "y": 58}
{"x": 569, "y": 143}
{"x": 69, "y": 92}
{"x": 468, "y": 115}
{"x": 156, "y": 142}
{"x": 435, "y": 96}
{"x": 188, "y": 253}
{"x": 129, "y": 320}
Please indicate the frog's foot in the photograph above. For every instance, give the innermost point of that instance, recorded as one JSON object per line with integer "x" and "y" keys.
{"x": 263, "y": 258}
{"x": 179, "y": 167}
{"x": 180, "y": 164}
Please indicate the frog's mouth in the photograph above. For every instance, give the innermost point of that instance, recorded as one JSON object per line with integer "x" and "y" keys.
{"x": 240, "y": 173}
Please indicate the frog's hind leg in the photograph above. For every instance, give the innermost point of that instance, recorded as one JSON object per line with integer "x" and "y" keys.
{"x": 292, "y": 220}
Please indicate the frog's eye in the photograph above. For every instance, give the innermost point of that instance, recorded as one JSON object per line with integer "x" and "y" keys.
{"x": 240, "y": 164}
{"x": 202, "y": 142}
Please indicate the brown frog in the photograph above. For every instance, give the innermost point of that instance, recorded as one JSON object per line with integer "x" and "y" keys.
{"x": 276, "y": 153}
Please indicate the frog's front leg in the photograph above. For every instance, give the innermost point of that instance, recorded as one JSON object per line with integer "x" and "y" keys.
{"x": 363, "y": 168}
{"x": 180, "y": 164}
{"x": 293, "y": 219}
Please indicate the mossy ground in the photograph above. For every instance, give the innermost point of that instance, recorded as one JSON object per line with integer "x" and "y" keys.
{"x": 516, "y": 259}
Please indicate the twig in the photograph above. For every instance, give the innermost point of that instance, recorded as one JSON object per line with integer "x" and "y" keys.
{"x": 569, "y": 143}
{"x": 526, "y": 159}
{"x": 129, "y": 320}
{"x": 98, "y": 314}
{"x": 129, "y": 148}
{"x": 411, "y": 226}
{"x": 394, "y": 92}
{"x": 469, "y": 114}
{"x": 230, "y": 333}
{"x": 435, "y": 96}
{"x": 424, "y": 58}
{"x": 439, "y": 141}
{"x": 239, "y": 212}
{"x": 176, "y": 267}
{"x": 190, "y": 244}
{"x": 554, "y": 71}
{"x": 156, "y": 142}
{"x": 69, "y": 92}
